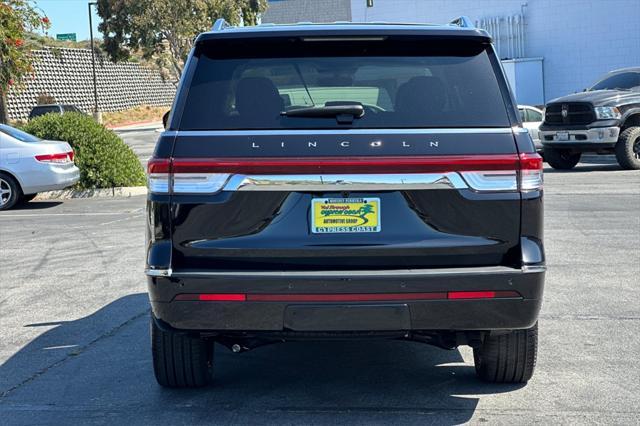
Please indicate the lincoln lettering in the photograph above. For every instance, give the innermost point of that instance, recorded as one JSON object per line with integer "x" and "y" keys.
{"x": 347, "y": 144}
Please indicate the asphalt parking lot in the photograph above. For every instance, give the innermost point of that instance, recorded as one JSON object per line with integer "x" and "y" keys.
{"x": 75, "y": 345}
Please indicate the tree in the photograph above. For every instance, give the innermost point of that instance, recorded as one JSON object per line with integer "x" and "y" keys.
{"x": 17, "y": 18}
{"x": 164, "y": 30}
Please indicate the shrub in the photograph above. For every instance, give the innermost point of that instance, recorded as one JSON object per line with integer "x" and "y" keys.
{"x": 103, "y": 158}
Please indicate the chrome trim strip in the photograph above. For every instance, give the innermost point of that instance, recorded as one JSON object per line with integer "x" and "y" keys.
{"x": 344, "y": 132}
{"x": 158, "y": 272}
{"x": 533, "y": 269}
{"x": 491, "y": 270}
{"x": 339, "y": 182}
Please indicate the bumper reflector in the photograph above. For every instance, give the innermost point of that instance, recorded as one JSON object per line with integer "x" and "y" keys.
{"x": 336, "y": 297}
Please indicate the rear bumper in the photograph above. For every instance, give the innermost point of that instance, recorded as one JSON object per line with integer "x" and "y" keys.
{"x": 381, "y": 315}
{"x": 50, "y": 177}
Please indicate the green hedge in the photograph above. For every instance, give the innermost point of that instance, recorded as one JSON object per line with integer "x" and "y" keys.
{"x": 103, "y": 158}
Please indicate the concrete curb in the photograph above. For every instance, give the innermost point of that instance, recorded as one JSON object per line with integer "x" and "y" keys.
{"x": 121, "y": 192}
{"x": 136, "y": 127}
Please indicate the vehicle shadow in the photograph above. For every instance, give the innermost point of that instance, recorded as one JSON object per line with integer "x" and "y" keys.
{"x": 36, "y": 205}
{"x": 100, "y": 365}
{"x": 593, "y": 163}
{"x": 580, "y": 168}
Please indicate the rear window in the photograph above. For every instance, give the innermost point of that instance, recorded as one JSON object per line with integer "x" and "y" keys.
{"x": 625, "y": 80}
{"x": 18, "y": 134}
{"x": 408, "y": 85}
{"x": 42, "y": 110}
{"x": 70, "y": 108}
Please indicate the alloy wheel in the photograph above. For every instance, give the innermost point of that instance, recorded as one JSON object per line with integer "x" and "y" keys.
{"x": 5, "y": 192}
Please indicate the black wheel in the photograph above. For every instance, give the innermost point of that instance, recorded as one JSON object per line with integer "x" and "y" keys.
{"x": 179, "y": 360}
{"x": 507, "y": 358}
{"x": 628, "y": 148}
{"x": 10, "y": 191}
{"x": 27, "y": 198}
{"x": 562, "y": 159}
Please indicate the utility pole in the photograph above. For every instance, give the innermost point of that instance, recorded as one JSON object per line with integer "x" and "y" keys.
{"x": 96, "y": 112}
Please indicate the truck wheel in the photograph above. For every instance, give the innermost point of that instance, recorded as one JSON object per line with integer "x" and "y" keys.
{"x": 628, "y": 148}
{"x": 562, "y": 159}
{"x": 179, "y": 360}
{"x": 507, "y": 358}
{"x": 10, "y": 191}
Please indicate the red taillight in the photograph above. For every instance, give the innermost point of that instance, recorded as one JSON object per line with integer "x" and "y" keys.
{"x": 62, "y": 157}
{"x": 158, "y": 165}
{"x": 500, "y": 172}
{"x": 531, "y": 176}
{"x": 418, "y": 164}
{"x": 530, "y": 161}
{"x": 351, "y": 297}
{"x": 481, "y": 294}
{"x": 222, "y": 297}
{"x": 158, "y": 175}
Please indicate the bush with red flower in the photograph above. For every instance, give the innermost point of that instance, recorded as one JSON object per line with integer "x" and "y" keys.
{"x": 17, "y": 18}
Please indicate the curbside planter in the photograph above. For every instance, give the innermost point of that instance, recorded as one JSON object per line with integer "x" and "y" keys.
{"x": 119, "y": 192}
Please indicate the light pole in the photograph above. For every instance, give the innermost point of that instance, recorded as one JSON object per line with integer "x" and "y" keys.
{"x": 96, "y": 112}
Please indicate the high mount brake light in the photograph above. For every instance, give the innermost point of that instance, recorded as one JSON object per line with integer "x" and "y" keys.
{"x": 502, "y": 172}
{"x": 61, "y": 157}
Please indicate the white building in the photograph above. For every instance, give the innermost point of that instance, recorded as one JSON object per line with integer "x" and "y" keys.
{"x": 549, "y": 47}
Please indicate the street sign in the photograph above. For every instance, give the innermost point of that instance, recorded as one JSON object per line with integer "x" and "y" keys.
{"x": 66, "y": 37}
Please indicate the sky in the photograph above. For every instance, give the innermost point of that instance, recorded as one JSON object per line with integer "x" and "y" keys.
{"x": 69, "y": 16}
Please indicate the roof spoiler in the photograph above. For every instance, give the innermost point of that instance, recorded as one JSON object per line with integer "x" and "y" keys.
{"x": 220, "y": 24}
{"x": 462, "y": 22}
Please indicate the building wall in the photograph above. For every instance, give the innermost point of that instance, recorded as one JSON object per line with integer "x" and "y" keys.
{"x": 66, "y": 74}
{"x": 291, "y": 11}
{"x": 580, "y": 40}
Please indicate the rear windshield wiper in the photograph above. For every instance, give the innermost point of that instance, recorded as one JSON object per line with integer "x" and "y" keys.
{"x": 342, "y": 113}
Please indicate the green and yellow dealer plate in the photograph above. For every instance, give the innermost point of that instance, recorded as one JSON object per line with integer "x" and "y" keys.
{"x": 345, "y": 215}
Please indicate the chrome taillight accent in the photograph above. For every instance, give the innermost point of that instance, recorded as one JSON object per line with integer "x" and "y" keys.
{"x": 158, "y": 183}
{"x": 199, "y": 183}
{"x": 501, "y": 180}
{"x": 158, "y": 175}
{"x": 531, "y": 176}
{"x": 531, "y": 180}
{"x": 161, "y": 180}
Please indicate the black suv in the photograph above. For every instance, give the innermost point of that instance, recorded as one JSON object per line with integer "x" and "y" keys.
{"x": 39, "y": 110}
{"x": 604, "y": 119}
{"x": 344, "y": 181}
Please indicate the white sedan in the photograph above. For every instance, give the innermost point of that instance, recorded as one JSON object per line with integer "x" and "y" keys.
{"x": 532, "y": 119}
{"x": 29, "y": 165}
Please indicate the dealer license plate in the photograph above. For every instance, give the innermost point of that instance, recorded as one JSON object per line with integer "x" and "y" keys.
{"x": 345, "y": 215}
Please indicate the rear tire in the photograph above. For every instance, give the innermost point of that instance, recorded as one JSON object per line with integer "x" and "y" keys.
{"x": 628, "y": 148}
{"x": 561, "y": 159}
{"x": 10, "y": 191}
{"x": 179, "y": 360}
{"x": 507, "y": 358}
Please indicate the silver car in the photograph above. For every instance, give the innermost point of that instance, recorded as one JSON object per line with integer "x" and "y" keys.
{"x": 29, "y": 165}
{"x": 531, "y": 120}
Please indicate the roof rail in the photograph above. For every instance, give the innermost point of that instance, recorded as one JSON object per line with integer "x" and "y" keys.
{"x": 220, "y": 25}
{"x": 462, "y": 22}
